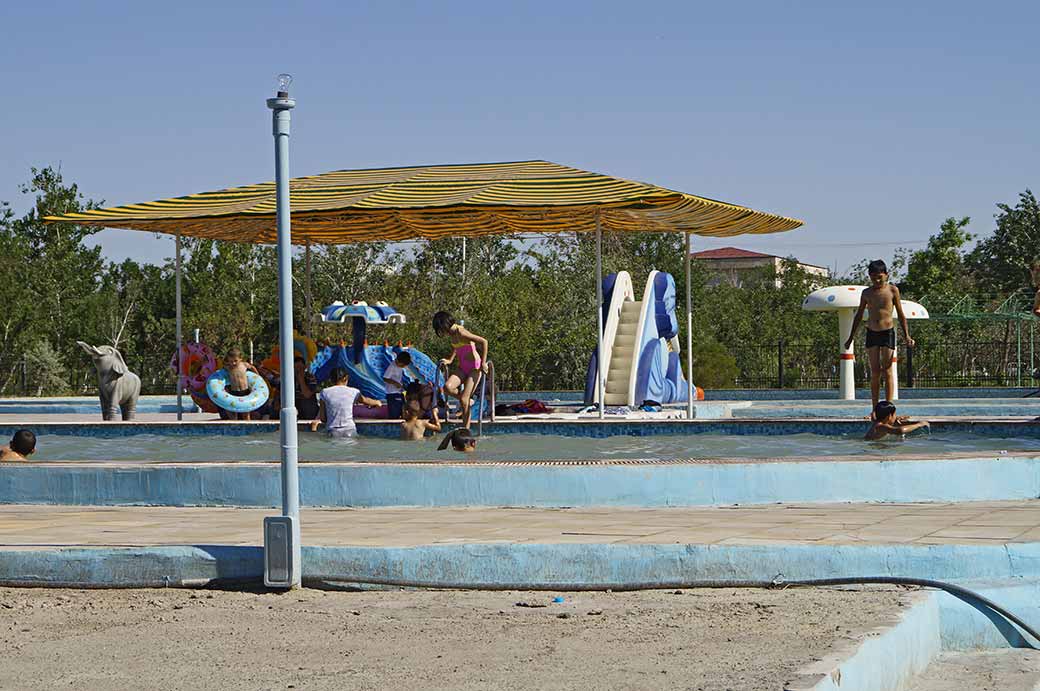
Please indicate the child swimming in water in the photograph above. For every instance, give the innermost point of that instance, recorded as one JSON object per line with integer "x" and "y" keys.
{"x": 471, "y": 365}
{"x": 336, "y": 406}
{"x": 886, "y": 423}
{"x": 460, "y": 439}
{"x": 23, "y": 445}
{"x": 413, "y": 426}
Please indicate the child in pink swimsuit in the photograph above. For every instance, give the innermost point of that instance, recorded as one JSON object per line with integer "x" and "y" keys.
{"x": 471, "y": 364}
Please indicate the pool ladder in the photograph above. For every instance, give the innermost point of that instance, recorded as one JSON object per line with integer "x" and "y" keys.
{"x": 482, "y": 384}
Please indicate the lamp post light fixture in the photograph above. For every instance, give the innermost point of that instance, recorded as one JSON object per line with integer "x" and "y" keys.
{"x": 282, "y": 533}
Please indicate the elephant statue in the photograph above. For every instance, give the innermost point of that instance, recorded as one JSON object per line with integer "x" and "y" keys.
{"x": 118, "y": 386}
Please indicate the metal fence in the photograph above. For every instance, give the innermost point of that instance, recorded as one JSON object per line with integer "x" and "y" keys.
{"x": 22, "y": 377}
{"x": 761, "y": 366}
{"x": 942, "y": 364}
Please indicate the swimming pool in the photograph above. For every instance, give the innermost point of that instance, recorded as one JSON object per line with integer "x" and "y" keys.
{"x": 918, "y": 408}
{"x": 88, "y": 405}
{"x": 264, "y": 446}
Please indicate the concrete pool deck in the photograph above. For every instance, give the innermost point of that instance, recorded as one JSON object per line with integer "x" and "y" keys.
{"x": 970, "y": 523}
{"x": 493, "y": 548}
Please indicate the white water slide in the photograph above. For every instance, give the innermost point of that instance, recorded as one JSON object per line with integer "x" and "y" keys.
{"x": 640, "y": 344}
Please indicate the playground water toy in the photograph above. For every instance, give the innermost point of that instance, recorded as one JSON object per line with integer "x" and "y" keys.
{"x": 216, "y": 388}
{"x": 380, "y": 313}
{"x": 303, "y": 346}
{"x": 640, "y": 344}
{"x": 845, "y": 301}
{"x": 197, "y": 362}
{"x": 366, "y": 363}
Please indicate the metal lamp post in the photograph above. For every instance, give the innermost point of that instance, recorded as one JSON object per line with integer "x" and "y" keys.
{"x": 282, "y": 567}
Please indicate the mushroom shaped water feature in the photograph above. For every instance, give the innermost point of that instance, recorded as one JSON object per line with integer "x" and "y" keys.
{"x": 845, "y": 300}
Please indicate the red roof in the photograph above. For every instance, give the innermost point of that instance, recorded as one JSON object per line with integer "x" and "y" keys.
{"x": 730, "y": 253}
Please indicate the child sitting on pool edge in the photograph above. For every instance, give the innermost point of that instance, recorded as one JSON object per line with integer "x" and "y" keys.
{"x": 886, "y": 423}
{"x": 23, "y": 445}
{"x": 413, "y": 426}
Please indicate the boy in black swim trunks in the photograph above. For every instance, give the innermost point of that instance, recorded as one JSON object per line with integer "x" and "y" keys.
{"x": 1036, "y": 282}
{"x": 880, "y": 298}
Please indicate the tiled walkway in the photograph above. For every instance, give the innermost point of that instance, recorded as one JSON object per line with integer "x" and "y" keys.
{"x": 985, "y": 523}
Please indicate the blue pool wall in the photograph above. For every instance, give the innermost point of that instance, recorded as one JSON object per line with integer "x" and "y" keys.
{"x": 795, "y": 394}
{"x": 545, "y": 485}
{"x": 570, "y": 428}
{"x": 168, "y": 403}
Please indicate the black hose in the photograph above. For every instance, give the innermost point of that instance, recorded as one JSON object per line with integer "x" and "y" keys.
{"x": 623, "y": 586}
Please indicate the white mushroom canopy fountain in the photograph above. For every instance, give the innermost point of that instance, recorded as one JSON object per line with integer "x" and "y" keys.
{"x": 845, "y": 301}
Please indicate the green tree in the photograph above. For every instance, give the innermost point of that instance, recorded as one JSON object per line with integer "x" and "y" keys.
{"x": 1001, "y": 261}
{"x": 56, "y": 275}
{"x": 939, "y": 269}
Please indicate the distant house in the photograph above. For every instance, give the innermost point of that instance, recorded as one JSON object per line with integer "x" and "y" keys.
{"x": 731, "y": 265}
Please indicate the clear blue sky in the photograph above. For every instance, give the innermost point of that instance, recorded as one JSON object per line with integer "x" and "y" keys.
{"x": 871, "y": 121}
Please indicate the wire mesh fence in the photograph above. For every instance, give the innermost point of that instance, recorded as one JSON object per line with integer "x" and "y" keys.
{"x": 778, "y": 364}
{"x": 945, "y": 364}
{"x": 25, "y": 377}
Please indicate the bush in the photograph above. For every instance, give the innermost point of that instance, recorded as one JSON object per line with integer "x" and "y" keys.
{"x": 713, "y": 366}
{"x": 46, "y": 369}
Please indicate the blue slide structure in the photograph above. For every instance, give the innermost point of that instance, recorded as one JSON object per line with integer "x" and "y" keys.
{"x": 366, "y": 363}
{"x": 640, "y": 344}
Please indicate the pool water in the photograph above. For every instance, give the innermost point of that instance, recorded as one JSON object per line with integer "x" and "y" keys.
{"x": 88, "y": 405}
{"x": 316, "y": 447}
{"x": 919, "y": 408}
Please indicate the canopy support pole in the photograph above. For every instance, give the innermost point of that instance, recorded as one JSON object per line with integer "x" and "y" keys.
{"x": 281, "y": 107}
{"x": 599, "y": 314}
{"x": 307, "y": 286}
{"x": 689, "y": 330}
{"x": 180, "y": 355}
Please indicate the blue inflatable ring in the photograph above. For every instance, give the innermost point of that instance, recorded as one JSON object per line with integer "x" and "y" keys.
{"x": 216, "y": 389}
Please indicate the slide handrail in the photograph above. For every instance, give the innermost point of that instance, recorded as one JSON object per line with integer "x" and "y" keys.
{"x": 637, "y": 347}
{"x": 622, "y": 293}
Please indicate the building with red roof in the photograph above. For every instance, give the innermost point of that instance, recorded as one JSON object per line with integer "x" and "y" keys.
{"x": 733, "y": 265}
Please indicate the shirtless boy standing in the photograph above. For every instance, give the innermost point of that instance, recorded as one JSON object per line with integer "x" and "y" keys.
{"x": 880, "y": 298}
{"x": 1036, "y": 282}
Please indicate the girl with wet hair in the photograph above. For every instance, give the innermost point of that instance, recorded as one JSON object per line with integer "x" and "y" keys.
{"x": 460, "y": 439}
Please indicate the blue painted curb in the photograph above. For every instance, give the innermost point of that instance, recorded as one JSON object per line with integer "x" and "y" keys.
{"x": 366, "y": 485}
{"x": 130, "y": 567}
{"x": 560, "y": 566}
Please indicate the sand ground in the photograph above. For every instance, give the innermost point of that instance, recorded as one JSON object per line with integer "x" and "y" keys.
{"x": 701, "y": 640}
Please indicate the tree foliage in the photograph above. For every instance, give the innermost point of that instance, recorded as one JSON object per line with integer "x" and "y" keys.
{"x": 533, "y": 298}
{"x": 939, "y": 268}
{"x": 1001, "y": 262}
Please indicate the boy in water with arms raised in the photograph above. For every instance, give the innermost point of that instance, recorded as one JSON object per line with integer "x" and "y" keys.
{"x": 886, "y": 422}
{"x": 880, "y": 298}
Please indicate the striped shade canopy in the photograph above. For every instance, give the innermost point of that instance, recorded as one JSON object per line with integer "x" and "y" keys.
{"x": 431, "y": 202}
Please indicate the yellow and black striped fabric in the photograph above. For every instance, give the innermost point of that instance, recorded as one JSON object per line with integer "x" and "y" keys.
{"x": 437, "y": 202}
